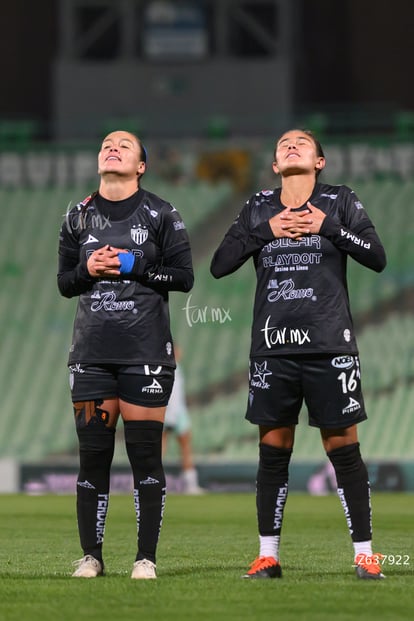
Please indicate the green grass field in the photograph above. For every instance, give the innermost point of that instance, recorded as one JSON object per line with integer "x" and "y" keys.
{"x": 206, "y": 544}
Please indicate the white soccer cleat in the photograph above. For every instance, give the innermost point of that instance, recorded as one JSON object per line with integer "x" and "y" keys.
{"x": 87, "y": 567}
{"x": 143, "y": 570}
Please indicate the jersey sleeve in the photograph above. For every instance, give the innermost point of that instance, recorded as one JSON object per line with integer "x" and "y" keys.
{"x": 73, "y": 277}
{"x": 240, "y": 243}
{"x": 174, "y": 269}
{"x": 354, "y": 233}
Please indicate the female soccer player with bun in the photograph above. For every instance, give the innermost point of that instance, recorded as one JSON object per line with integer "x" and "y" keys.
{"x": 121, "y": 251}
{"x": 303, "y": 344}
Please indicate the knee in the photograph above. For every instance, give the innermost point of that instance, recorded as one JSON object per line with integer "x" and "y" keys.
{"x": 143, "y": 441}
{"x": 273, "y": 461}
{"x": 347, "y": 459}
{"x": 96, "y": 449}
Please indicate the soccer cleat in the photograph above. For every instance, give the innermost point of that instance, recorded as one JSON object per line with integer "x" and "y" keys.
{"x": 368, "y": 567}
{"x": 87, "y": 567}
{"x": 264, "y": 567}
{"x": 143, "y": 570}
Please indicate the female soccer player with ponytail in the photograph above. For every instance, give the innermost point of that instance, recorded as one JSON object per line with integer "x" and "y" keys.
{"x": 121, "y": 251}
{"x": 303, "y": 345}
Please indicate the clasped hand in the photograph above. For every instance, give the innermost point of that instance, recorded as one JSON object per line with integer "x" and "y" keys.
{"x": 104, "y": 261}
{"x": 296, "y": 224}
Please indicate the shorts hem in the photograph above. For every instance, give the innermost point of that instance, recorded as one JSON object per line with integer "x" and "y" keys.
{"x": 270, "y": 423}
{"x": 275, "y": 424}
{"x": 145, "y": 404}
{"x": 339, "y": 426}
{"x": 93, "y": 397}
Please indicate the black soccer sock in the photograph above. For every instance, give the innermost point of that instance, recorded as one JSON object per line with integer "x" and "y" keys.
{"x": 143, "y": 445}
{"x": 96, "y": 451}
{"x": 353, "y": 490}
{"x": 271, "y": 488}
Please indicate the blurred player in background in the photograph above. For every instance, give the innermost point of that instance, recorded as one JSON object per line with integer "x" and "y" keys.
{"x": 303, "y": 344}
{"x": 177, "y": 422}
{"x": 122, "y": 250}
{"x": 323, "y": 481}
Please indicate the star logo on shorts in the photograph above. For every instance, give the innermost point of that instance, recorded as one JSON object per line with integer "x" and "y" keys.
{"x": 261, "y": 371}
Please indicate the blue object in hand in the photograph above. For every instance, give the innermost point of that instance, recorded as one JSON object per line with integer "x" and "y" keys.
{"x": 127, "y": 262}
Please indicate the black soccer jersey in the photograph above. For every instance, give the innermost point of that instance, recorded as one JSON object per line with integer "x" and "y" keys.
{"x": 301, "y": 302}
{"x": 124, "y": 320}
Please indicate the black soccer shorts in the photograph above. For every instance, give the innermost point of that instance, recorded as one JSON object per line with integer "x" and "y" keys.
{"x": 329, "y": 385}
{"x": 146, "y": 385}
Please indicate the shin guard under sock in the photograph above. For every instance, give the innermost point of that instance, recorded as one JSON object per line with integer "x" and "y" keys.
{"x": 143, "y": 444}
{"x": 96, "y": 451}
{"x": 271, "y": 488}
{"x": 353, "y": 490}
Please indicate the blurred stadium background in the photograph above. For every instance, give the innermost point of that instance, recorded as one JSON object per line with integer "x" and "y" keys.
{"x": 208, "y": 85}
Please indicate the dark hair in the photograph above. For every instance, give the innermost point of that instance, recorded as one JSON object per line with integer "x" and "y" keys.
{"x": 319, "y": 150}
{"x": 308, "y": 132}
{"x": 144, "y": 154}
